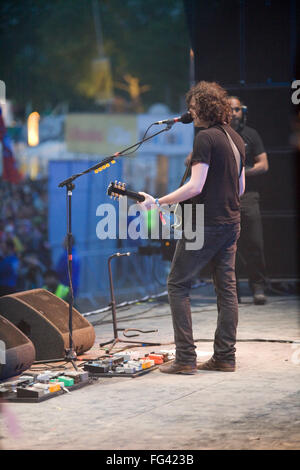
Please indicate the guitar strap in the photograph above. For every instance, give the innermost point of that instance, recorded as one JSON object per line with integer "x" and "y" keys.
{"x": 186, "y": 173}
{"x": 178, "y": 219}
{"x": 236, "y": 152}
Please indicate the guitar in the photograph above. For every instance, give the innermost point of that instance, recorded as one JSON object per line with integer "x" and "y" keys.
{"x": 118, "y": 189}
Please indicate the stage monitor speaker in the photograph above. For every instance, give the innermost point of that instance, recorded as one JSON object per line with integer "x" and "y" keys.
{"x": 44, "y": 318}
{"x": 17, "y": 351}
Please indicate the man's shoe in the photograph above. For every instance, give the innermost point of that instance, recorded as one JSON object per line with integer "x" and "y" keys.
{"x": 259, "y": 297}
{"x": 175, "y": 368}
{"x": 212, "y": 364}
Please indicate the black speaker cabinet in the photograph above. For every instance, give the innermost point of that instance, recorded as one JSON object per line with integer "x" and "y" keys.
{"x": 16, "y": 350}
{"x": 44, "y": 318}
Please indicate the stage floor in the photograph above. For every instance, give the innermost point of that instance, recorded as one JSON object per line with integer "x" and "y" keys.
{"x": 257, "y": 407}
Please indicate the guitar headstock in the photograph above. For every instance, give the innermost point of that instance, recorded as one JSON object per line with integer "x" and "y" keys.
{"x": 116, "y": 189}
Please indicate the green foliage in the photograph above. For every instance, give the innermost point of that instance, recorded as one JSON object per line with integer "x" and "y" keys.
{"x": 47, "y": 47}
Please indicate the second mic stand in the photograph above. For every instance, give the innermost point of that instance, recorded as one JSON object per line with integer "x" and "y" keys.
{"x": 116, "y": 339}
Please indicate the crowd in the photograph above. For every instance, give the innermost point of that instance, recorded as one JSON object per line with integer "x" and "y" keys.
{"x": 25, "y": 255}
{"x": 24, "y": 250}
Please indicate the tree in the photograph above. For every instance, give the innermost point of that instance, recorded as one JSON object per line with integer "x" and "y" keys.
{"x": 48, "y": 47}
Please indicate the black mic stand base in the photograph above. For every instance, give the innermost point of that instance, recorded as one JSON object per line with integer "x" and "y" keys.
{"x": 116, "y": 339}
{"x": 71, "y": 356}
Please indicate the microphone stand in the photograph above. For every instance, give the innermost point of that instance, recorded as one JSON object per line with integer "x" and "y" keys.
{"x": 71, "y": 355}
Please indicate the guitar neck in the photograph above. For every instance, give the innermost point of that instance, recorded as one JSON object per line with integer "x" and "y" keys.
{"x": 133, "y": 195}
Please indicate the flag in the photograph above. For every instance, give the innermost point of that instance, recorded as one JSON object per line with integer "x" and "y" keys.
{"x": 9, "y": 168}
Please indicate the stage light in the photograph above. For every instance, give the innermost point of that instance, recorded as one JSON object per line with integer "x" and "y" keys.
{"x": 33, "y": 129}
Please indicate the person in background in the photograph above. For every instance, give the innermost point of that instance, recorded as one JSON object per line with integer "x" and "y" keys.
{"x": 10, "y": 234}
{"x": 251, "y": 243}
{"x": 9, "y": 265}
{"x": 53, "y": 285}
{"x": 62, "y": 267}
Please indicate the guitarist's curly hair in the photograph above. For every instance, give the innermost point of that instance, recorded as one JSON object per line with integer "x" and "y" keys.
{"x": 212, "y": 104}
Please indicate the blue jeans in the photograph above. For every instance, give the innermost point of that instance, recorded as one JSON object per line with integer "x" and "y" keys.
{"x": 219, "y": 249}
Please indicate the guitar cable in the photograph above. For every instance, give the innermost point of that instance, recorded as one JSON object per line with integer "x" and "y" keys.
{"x": 138, "y": 145}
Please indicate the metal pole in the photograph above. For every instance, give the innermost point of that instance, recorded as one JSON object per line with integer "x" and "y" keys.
{"x": 98, "y": 29}
{"x": 112, "y": 296}
{"x": 242, "y": 42}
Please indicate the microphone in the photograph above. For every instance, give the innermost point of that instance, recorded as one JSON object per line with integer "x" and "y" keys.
{"x": 186, "y": 118}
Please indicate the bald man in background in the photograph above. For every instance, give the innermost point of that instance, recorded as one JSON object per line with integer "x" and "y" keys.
{"x": 251, "y": 245}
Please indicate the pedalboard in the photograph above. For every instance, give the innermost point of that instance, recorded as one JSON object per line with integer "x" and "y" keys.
{"x": 125, "y": 364}
{"x": 36, "y": 387}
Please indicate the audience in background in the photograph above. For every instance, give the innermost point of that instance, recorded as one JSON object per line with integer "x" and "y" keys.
{"x": 9, "y": 264}
{"x": 25, "y": 256}
{"x": 62, "y": 267}
{"x": 24, "y": 249}
{"x": 53, "y": 285}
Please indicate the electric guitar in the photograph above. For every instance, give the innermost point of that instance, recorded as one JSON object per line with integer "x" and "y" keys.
{"x": 118, "y": 189}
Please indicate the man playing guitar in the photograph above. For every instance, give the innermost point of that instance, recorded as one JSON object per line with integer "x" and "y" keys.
{"x": 217, "y": 181}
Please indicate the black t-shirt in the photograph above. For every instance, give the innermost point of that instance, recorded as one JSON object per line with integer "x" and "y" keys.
{"x": 254, "y": 146}
{"x": 220, "y": 193}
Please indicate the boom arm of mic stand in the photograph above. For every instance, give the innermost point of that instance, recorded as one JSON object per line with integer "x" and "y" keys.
{"x": 112, "y": 157}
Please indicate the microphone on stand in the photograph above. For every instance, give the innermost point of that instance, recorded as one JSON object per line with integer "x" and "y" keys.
{"x": 186, "y": 118}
